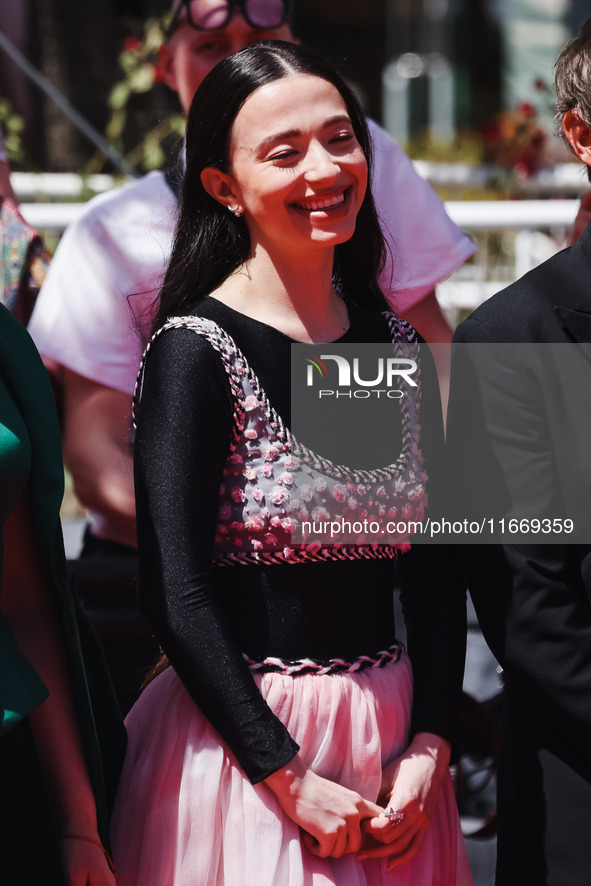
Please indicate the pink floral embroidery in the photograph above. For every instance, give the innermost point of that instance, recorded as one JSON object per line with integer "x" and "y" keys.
{"x": 339, "y": 493}
{"x": 250, "y": 434}
{"x": 250, "y": 403}
{"x": 320, "y": 513}
{"x": 235, "y": 459}
{"x": 257, "y": 544}
{"x": 254, "y": 524}
{"x": 307, "y": 493}
{"x": 319, "y": 484}
{"x": 267, "y": 470}
{"x": 258, "y": 494}
{"x": 225, "y": 512}
{"x": 249, "y": 473}
{"x": 278, "y": 495}
{"x": 237, "y": 494}
{"x": 286, "y": 478}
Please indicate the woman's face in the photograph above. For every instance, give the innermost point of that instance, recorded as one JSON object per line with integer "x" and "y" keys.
{"x": 296, "y": 166}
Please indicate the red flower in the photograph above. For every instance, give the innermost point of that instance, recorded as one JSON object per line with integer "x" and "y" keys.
{"x": 131, "y": 44}
{"x": 490, "y": 134}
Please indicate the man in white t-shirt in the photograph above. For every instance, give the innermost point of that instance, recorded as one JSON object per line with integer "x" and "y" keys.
{"x": 93, "y": 313}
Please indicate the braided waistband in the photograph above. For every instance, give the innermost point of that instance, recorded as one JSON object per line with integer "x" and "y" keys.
{"x": 304, "y": 666}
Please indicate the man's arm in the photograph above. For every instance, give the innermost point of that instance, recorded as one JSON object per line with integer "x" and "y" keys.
{"x": 427, "y": 318}
{"x": 97, "y": 451}
{"x": 530, "y": 598}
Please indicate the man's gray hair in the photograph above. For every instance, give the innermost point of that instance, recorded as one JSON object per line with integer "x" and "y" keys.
{"x": 573, "y": 79}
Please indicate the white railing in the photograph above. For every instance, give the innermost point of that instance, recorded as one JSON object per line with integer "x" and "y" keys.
{"x": 470, "y": 214}
{"x": 534, "y": 229}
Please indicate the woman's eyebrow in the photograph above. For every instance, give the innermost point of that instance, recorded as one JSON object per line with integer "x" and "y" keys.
{"x": 294, "y": 133}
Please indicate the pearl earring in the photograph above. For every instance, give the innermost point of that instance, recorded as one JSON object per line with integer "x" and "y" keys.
{"x": 237, "y": 210}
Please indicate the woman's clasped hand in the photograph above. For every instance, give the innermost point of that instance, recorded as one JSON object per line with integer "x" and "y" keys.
{"x": 330, "y": 815}
{"x": 410, "y": 788}
{"x": 336, "y": 821}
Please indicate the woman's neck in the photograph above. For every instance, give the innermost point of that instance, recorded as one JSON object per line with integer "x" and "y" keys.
{"x": 298, "y": 299}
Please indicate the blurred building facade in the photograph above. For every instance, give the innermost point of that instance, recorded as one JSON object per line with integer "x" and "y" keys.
{"x": 432, "y": 65}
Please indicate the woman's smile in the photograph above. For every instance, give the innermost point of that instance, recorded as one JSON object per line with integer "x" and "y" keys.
{"x": 323, "y": 205}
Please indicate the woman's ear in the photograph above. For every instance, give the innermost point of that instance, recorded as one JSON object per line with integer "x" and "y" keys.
{"x": 220, "y": 186}
{"x": 578, "y": 134}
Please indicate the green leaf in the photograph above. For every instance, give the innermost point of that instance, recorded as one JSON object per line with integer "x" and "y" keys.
{"x": 142, "y": 79}
{"x": 178, "y": 124}
{"x": 119, "y": 96}
{"x": 154, "y": 156}
{"x": 127, "y": 61}
{"x": 15, "y": 123}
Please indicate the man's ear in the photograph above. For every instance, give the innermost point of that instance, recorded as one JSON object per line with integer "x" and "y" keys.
{"x": 220, "y": 186}
{"x": 166, "y": 67}
{"x": 578, "y": 134}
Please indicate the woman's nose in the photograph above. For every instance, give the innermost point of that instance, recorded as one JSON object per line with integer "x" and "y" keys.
{"x": 320, "y": 164}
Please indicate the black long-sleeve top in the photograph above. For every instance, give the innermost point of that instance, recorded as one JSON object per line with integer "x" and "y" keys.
{"x": 206, "y": 616}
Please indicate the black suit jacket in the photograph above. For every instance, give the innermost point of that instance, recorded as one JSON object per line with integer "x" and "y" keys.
{"x": 529, "y": 437}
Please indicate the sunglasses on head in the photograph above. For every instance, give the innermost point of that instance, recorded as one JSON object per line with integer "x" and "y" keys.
{"x": 212, "y": 15}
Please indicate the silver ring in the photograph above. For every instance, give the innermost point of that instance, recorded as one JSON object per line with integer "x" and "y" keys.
{"x": 395, "y": 816}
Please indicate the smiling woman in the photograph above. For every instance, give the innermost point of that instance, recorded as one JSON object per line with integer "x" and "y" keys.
{"x": 300, "y": 181}
{"x": 284, "y": 745}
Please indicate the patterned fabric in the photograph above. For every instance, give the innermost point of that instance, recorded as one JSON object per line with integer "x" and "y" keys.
{"x": 272, "y": 484}
{"x": 24, "y": 262}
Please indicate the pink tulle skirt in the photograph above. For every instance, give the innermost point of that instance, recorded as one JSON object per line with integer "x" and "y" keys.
{"x": 186, "y": 815}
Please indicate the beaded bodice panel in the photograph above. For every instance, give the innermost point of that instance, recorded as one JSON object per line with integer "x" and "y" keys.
{"x": 272, "y": 486}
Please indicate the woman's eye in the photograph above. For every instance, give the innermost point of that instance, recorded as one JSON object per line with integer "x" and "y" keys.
{"x": 284, "y": 155}
{"x": 343, "y": 137}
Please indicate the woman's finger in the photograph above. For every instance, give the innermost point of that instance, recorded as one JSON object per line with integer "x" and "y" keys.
{"x": 397, "y": 846}
{"x": 410, "y": 851}
{"x": 385, "y": 829}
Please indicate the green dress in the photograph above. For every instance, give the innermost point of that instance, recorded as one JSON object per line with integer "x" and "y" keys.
{"x": 30, "y": 459}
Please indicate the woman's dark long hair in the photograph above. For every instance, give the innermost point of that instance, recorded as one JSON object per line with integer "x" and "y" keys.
{"x": 210, "y": 242}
